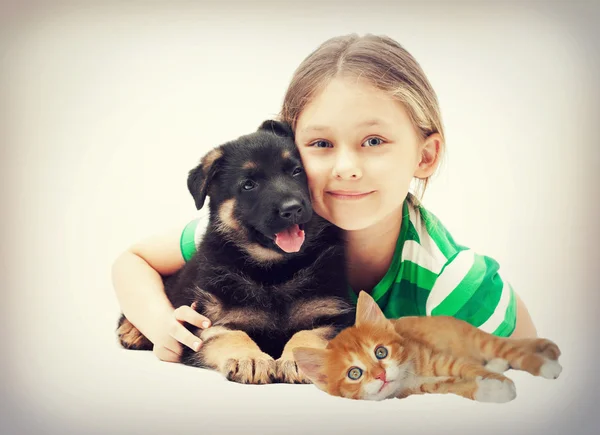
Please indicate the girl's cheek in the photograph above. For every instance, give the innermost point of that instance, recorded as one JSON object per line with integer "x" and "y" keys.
{"x": 315, "y": 174}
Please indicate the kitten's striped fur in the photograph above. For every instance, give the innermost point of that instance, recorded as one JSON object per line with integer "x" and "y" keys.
{"x": 433, "y": 354}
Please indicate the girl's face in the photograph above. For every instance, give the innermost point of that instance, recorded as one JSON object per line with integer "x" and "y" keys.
{"x": 360, "y": 152}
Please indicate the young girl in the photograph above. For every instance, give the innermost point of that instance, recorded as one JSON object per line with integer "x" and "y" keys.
{"x": 367, "y": 123}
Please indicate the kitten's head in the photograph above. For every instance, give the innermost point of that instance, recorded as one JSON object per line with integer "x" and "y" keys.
{"x": 367, "y": 361}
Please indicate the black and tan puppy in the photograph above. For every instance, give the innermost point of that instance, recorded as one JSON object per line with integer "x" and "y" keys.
{"x": 269, "y": 273}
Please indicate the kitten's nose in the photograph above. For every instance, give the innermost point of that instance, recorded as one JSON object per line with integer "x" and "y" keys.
{"x": 381, "y": 376}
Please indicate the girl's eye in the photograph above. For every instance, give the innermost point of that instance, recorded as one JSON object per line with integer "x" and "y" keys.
{"x": 249, "y": 185}
{"x": 354, "y": 373}
{"x": 381, "y": 352}
{"x": 297, "y": 171}
{"x": 320, "y": 144}
{"x": 373, "y": 142}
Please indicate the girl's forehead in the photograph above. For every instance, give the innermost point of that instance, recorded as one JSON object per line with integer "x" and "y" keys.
{"x": 350, "y": 103}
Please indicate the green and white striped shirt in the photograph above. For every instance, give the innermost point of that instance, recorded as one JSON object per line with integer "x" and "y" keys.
{"x": 430, "y": 274}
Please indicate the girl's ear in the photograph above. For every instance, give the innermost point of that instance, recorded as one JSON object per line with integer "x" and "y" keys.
{"x": 430, "y": 156}
{"x": 367, "y": 311}
{"x": 312, "y": 363}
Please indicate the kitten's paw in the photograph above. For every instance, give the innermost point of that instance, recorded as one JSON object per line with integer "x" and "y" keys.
{"x": 288, "y": 372}
{"x": 550, "y": 369}
{"x": 547, "y": 348}
{"x": 495, "y": 390}
{"x": 258, "y": 368}
{"x": 497, "y": 365}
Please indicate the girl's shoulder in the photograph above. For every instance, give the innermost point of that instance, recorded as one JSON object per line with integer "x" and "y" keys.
{"x": 426, "y": 234}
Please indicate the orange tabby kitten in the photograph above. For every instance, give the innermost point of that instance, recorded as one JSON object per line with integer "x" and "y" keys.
{"x": 381, "y": 358}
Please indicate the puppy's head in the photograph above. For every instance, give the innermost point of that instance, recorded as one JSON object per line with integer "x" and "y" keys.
{"x": 258, "y": 189}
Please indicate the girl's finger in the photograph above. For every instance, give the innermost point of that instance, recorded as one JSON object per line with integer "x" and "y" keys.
{"x": 174, "y": 346}
{"x": 165, "y": 354}
{"x": 186, "y": 313}
{"x": 182, "y": 335}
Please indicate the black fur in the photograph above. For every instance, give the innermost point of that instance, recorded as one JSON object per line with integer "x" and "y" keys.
{"x": 224, "y": 269}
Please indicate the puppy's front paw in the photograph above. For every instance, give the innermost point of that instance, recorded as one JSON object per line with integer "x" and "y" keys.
{"x": 254, "y": 368}
{"x": 130, "y": 337}
{"x": 289, "y": 373}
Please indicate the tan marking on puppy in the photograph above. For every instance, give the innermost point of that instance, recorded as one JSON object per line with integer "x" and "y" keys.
{"x": 131, "y": 338}
{"x": 286, "y": 154}
{"x": 262, "y": 254}
{"x": 232, "y": 228}
{"x": 210, "y": 158}
{"x": 213, "y": 331}
{"x": 243, "y": 318}
{"x": 227, "y": 221}
{"x": 249, "y": 165}
{"x": 246, "y": 318}
{"x": 303, "y": 311}
{"x": 236, "y": 356}
{"x": 207, "y": 162}
{"x": 211, "y": 305}
{"x": 287, "y": 369}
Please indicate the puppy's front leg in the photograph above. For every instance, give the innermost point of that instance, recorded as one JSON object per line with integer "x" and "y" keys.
{"x": 235, "y": 355}
{"x": 287, "y": 369}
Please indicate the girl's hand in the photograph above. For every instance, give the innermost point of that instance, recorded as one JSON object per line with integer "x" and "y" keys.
{"x": 172, "y": 334}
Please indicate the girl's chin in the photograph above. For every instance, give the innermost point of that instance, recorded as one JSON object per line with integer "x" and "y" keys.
{"x": 350, "y": 222}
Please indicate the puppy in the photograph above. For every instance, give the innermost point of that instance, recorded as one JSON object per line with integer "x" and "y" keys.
{"x": 269, "y": 273}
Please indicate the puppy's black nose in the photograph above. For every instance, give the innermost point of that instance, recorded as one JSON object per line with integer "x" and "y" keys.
{"x": 291, "y": 209}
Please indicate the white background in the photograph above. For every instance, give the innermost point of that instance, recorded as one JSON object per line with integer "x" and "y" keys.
{"x": 105, "y": 107}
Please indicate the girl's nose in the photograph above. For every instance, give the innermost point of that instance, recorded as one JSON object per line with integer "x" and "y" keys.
{"x": 347, "y": 167}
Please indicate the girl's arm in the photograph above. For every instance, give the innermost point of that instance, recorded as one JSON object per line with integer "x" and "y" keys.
{"x": 137, "y": 279}
{"x": 524, "y": 327}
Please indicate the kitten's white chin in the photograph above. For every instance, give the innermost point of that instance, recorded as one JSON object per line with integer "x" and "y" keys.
{"x": 390, "y": 391}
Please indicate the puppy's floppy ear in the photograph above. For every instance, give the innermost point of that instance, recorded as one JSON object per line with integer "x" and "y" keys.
{"x": 277, "y": 127}
{"x": 201, "y": 176}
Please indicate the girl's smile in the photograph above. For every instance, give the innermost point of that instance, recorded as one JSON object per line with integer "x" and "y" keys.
{"x": 348, "y": 195}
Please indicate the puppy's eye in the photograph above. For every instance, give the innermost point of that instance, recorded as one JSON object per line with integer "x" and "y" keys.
{"x": 249, "y": 185}
{"x": 381, "y": 352}
{"x": 297, "y": 171}
{"x": 354, "y": 373}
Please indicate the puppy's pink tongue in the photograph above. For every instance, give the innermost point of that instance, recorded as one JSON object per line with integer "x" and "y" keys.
{"x": 290, "y": 239}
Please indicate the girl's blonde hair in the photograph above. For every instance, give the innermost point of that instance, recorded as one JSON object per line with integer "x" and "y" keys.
{"x": 381, "y": 61}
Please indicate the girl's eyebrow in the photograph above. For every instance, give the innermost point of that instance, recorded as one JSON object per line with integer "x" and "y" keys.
{"x": 368, "y": 123}
{"x": 315, "y": 128}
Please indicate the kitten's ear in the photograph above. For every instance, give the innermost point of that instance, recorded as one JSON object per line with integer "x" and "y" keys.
{"x": 200, "y": 177}
{"x": 312, "y": 363}
{"x": 367, "y": 310}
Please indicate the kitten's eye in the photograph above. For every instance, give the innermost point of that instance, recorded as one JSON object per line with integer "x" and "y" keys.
{"x": 355, "y": 373}
{"x": 297, "y": 171}
{"x": 249, "y": 185}
{"x": 373, "y": 142}
{"x": 381, "y": 352}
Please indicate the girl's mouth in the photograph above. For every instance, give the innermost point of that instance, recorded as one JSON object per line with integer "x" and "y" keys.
{"x": 348, "y": 195}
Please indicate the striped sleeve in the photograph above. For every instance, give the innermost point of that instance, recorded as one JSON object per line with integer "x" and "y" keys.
{"x": 191, "y": 236}
{"x": 470, "y": 288}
